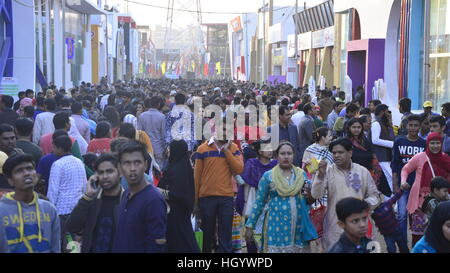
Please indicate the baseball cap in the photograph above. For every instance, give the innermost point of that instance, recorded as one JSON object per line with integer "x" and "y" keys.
{"x": 217, "y": 89}
{"x": 238, "y": 92}
{"x": 427, "y": 104}
{"x": 173, "y": 92}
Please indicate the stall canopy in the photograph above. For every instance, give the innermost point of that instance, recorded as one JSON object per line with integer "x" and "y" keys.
{"x": 84, "y": 7}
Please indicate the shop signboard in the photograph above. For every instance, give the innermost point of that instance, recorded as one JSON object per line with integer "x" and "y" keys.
{"x": 291, "y": 46}
{"x": 304, "y": 41}
{"x": 70, "y": 42}
{"x": 276, "y": 34}
{"x": 317, "y": 39}
{"x": 328, "y": 36}
{"x": 312, "y": 87}
{"x": 322, "y": 83}
{"x": 348, "y": 88}
{"x": 236, "y": 24}
{"x": 9, "y": 86}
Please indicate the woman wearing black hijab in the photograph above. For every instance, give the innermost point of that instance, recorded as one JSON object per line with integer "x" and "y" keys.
{"x": 178, "y": 181}
{"x": 437, "y": 234}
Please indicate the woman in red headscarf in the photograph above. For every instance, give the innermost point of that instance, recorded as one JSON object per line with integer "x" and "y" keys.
{"x": 427, "y": 165}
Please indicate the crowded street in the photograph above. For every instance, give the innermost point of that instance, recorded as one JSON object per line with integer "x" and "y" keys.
{"x": 190, "y": 126}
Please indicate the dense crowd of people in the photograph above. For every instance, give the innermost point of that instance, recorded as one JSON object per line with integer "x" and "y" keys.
{"x": 122, "y": 168}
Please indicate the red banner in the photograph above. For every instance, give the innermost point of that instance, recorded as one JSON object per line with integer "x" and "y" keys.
{"x": 128, "y": 20}
{"x": 243, "y": 65}
{"x": 236, "y": 24}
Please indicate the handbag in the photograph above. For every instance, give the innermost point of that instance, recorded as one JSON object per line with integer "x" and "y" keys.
{"x": 380, "y": 178}
{"x": 317, "y": 216}
{"x": 251, "y": 197}
{"x": 199, "y": 238}
{"x": 197, "y": 231}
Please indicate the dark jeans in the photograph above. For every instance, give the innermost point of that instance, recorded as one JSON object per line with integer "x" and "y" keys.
{"x": 402, "y": 214}
{"x": 64, "y": 242}
{"x": 396, "y": 238}
{"x": 216, "y": 208}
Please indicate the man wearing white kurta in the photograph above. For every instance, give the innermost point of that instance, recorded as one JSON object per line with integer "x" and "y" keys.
{"x": 44, "y": 121}
{"x": 341, "y": 180}
{"x": 383, "y": 141}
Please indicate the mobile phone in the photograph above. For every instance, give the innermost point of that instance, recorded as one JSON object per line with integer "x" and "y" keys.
{"x": 95, "y": 184}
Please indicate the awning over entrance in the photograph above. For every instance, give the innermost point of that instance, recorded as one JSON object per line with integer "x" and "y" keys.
{"x": 84, "y": 7}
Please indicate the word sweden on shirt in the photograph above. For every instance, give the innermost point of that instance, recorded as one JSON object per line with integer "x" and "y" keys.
{"x": 27, "y": 218}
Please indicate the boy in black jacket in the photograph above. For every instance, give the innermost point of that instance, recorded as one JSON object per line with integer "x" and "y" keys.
{"x": 353, "y": 216}
{"x": 438, "y": 194}
{"x": 95, "y": 215}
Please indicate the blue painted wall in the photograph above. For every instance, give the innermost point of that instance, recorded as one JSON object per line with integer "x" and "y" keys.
{"x": 415, "y": 57}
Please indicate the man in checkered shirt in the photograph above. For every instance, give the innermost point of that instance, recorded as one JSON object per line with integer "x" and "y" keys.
{"x": 67, "y": 181}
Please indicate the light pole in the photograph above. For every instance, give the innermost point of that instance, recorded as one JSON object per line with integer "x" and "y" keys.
{"x": 264, "y": 44}
{"x": 296, "y": 47}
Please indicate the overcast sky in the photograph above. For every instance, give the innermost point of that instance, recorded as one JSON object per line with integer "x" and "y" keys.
{"x": 145, "y": 15}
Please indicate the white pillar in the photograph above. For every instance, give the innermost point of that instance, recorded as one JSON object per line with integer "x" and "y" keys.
{"x": 58, "y": 44}
{"x": 48, "y": 54}
{"x": 24, "y": 59}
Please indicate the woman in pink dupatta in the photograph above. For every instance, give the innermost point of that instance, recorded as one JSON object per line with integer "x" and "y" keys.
{"x": 427, "y": 165}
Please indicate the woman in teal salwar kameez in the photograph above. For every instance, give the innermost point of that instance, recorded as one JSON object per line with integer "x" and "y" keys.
{"x": 287, "y": 226}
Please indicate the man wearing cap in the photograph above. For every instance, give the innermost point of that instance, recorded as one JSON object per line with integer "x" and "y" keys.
{"x": 172, "y": 103}
{"x": 428, "y": 107}
{"x": 216, "y": 94}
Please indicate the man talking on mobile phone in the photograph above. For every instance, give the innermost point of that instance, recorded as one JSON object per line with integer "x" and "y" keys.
{"x": 94, "y": 216}
{"x": 217, "y": 161}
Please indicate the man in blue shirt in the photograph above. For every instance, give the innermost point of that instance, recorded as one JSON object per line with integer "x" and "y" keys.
{"x": 306, "y": 129}
{"x": 428, "y": 107}
{"x": 142, "y": 219}
{"x": 437, "y": 125}
{"x": 405, "y": 148}
{"x": 288, "y": 132}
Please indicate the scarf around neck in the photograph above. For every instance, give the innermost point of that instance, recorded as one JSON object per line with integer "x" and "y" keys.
{"x": 440, "y": 163}
{"x": 282, "y": 186}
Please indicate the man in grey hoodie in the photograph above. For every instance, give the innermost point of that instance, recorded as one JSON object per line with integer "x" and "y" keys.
{"x": 28, "y": 224}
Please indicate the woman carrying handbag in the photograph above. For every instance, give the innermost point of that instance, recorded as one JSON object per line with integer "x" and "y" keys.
{"x": 427, "y": 165}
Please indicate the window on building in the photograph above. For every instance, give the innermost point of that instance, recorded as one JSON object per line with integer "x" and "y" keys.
{"x": 277, "y": 70}
{"x": 305, "y": 55}
{"x": 74, "y": 30}
{"x": 439, "y": 54}
{"x": 2, "y": 32}
{"x": 318, "y": 63}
